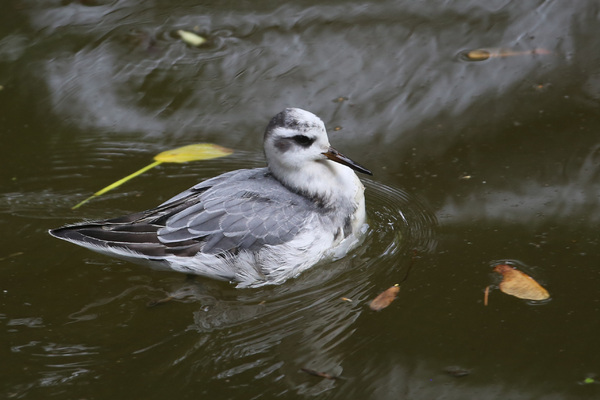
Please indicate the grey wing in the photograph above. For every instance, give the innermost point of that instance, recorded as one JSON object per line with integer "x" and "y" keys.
{"x": 209, "y": 183}
{"x": 239, "y": 215}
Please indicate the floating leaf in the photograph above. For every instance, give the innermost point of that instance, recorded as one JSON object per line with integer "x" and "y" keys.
{"x": 478, "y": 55}
{"x": 117, "y": 183}
{"x": 519, "y": 284}
{"x": 319, "y": 374}
{"x": 192, "y": 152}
{"x": 486, "y": 295}
{"x": 191, "y": 38}
{"x": 385, "y": 299}
{"x": 484, "y": 54}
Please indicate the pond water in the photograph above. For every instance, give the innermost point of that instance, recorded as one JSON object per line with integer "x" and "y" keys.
{"x": 476, "y": 161}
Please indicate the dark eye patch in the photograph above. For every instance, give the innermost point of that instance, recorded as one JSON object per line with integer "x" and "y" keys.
{"x": 303, "y": 140}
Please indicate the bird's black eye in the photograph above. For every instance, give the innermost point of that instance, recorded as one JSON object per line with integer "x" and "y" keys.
{"x": 303, "y": 141}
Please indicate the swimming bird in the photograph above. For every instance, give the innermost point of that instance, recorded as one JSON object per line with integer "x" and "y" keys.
{"x": 250, "y": 226}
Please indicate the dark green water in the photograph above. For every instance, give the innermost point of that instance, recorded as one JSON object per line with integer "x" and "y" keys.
{"x": 474, "y": 162}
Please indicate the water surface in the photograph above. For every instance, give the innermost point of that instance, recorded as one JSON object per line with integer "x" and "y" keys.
{"x": 474, "y": 162}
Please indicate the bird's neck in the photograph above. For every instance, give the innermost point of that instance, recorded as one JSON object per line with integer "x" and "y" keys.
{"x": 328, "y": 183}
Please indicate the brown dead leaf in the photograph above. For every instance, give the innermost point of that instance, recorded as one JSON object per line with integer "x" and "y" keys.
{"x": 385, "y": 299}
{"x": 486, "y": 295}
{"x": 519, "y": 284}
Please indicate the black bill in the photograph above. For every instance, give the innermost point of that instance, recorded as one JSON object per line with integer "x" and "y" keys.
{"x": 336, "y": 156}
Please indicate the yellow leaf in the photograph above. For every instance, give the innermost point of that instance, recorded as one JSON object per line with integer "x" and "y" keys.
{"x": 484, "y": 54}
{"x": 193, "y": 152}
{"x": 116, "y": 184}
{"x": 478, "y": 55}
{"x": 191, "y": 38}
{"x": 519, "y": 284}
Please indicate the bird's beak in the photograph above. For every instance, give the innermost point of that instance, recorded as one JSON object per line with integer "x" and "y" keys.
{"x": 338, "y": 157}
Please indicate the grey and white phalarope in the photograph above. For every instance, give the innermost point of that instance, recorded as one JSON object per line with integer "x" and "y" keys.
{"x": 251, "y": 226}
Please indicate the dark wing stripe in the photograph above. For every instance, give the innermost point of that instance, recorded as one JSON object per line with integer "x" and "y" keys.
{"x": 185, "y": 251}
{"x": 121, "y": 236}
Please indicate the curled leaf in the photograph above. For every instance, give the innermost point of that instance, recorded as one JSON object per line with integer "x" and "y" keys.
{"x": 385, "y": 299}
{"x": 519, "y": 284}
{"x": 191, "y": 38}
